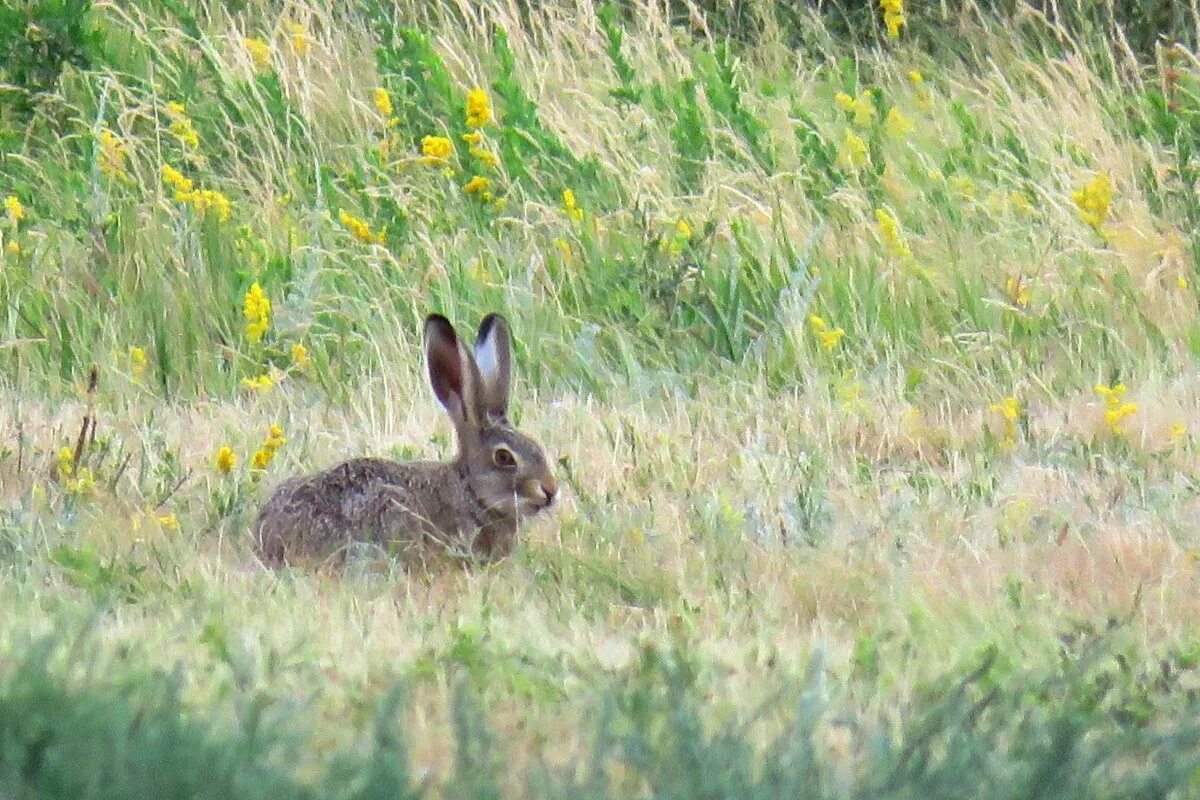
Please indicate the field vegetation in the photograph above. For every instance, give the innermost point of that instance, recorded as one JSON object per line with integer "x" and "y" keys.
{"x": 864, "y": 339}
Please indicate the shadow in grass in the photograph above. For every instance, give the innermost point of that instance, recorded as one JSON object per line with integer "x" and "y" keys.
{"x": 1101, "y": 722}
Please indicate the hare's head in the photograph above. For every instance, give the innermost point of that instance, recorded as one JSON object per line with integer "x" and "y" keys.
{"x": 505, "y": 470}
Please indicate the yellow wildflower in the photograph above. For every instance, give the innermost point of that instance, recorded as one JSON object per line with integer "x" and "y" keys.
{"x": 436, "y": 149}
{"x": 1093, "y": 199}
{"x": 564, "y": 247}
{"x": 853, "y": 153}
{"x": 181, "y": 127}
{"x": 16, "y": 211}
{"x": 262, "y": 384}
{"x": 683, "y": 230}
{"x": 570, "y": 206}
{"x": 1178, "y": 431}
{"x": 1180, "y": 281}
{"x": 898, "y": 125}
{"x": 300, "y": 42}
{"x": 137, "y": 362}
{"x": 112, "y": 154}
{"x": 485, "y": 157}
{"x": 275, "y": 438}
{"x": 473, "y": 138}
{"x": 891, "y": 235}
{"x": 862, "y": 107}
{"x": 168, "y": 522}
{"x": 256, "y": 308}
{"x": 176, "y": 180}
{"x": 260, "y": 52}
{"x": 1017, "y": 290}
{"x": 206, "y": 202}
{"x": 476, "y": 185}
{"x": 829, "y": 337}
{"x": 383, "y": 101}
{"x": 82, "y": 483}
{"x": 893, "y": 16}
{"x": 266, "y": 452}
{"x": 360, "y": 229}
{"x": 924, "y": 96}
{"x": 1115, "y": 409}
{"x": 299, "y": 356}
{"x": 225, "y": 460}
{"x": 1009, "y": 411}
{"x": 65, "y": 462}
{"x": 12, "y": 248}
{"x": 479, "y": 108}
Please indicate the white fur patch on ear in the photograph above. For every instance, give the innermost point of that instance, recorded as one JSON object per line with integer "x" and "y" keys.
{"x": 487, "y": 357}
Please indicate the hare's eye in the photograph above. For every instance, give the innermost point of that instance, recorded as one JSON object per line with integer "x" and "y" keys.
{"x": 503, "y": 457}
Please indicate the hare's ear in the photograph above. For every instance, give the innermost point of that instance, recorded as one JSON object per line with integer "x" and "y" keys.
{"x": 493, "y": 355}
{"x": 452, "y": 372}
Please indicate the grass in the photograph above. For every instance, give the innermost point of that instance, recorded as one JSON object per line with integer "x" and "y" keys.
{"x": 905, "y": 549}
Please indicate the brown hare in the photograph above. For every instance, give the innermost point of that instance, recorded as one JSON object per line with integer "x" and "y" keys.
{"x": 471, "y": 505}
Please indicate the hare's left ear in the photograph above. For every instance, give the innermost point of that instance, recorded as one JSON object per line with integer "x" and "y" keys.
{"x": 493, "y": 356}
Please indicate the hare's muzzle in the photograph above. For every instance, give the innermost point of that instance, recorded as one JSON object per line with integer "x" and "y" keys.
{"x": 549, "y": 488}
{"x": 540, "y": 493}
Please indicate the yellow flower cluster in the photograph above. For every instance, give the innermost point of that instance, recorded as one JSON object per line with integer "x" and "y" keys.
{"x": 862, "y": 107}
{"x": 16, "y": 211}
{"x": 1116, "y": 410}
{"x": 891, "y": 235}
{"x": 1009, "y": 411}
{"x": 256, "y": 308}
{"x": 436, "y": 149}
{"x": 112, "y": 154}
{"x": 78, "y": 482}
{"x": 479, "y": 108}
{"x": 181, "y": 126}
{"x": 474, "y": 140}
{"x": 266, "y": 452}
{"x": 137, "y": 363}
{"x": 166, "y": 522}
{"x": 852, "y": 155}
{"x": 382, "y": 101}
{"x": 1018, "y": 292}
{"x": 898, "y": 126}
{"x": 224, "y": 461}
{"x": 924, "y": 96}
{"x": 1093, "y": 200}
{"x": 262, "y": 384}
{"x": 205, "y": 202}
{"x": 300, "y": 40}
{"x": 893, "y": 16}
{"x": 300, "y": 356}
{"x": 260, "y": 52}
{"x": 360, "y": 229}
{"x": 829, "y": 337}
{"x": 570, "y": 206}
{"x": 478, "y": 186}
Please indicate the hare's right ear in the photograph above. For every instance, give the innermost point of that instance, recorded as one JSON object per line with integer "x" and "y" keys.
{"x": 493, "y": 356}
{"x": 452, "y": 372}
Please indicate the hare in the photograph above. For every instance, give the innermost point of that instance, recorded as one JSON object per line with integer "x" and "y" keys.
{"x": 470, "y": 505}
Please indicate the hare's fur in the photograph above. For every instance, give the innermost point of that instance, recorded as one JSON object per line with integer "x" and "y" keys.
{"x": 471, "y": 505}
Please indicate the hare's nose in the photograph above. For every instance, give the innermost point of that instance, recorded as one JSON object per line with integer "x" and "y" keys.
{"x": 549, "y": 488}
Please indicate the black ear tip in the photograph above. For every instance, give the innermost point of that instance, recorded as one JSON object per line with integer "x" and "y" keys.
{"x": 437, "y": 324}
{"x": 490, "y": 322}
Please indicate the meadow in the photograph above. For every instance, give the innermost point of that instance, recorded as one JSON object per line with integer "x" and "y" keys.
{"x": 863, "y": 339}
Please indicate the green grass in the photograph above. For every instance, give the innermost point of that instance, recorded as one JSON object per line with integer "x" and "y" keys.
{"x": 785, "y": 564}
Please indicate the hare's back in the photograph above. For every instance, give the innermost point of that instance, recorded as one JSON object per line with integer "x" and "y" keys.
{"x": 313, "y": 513}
